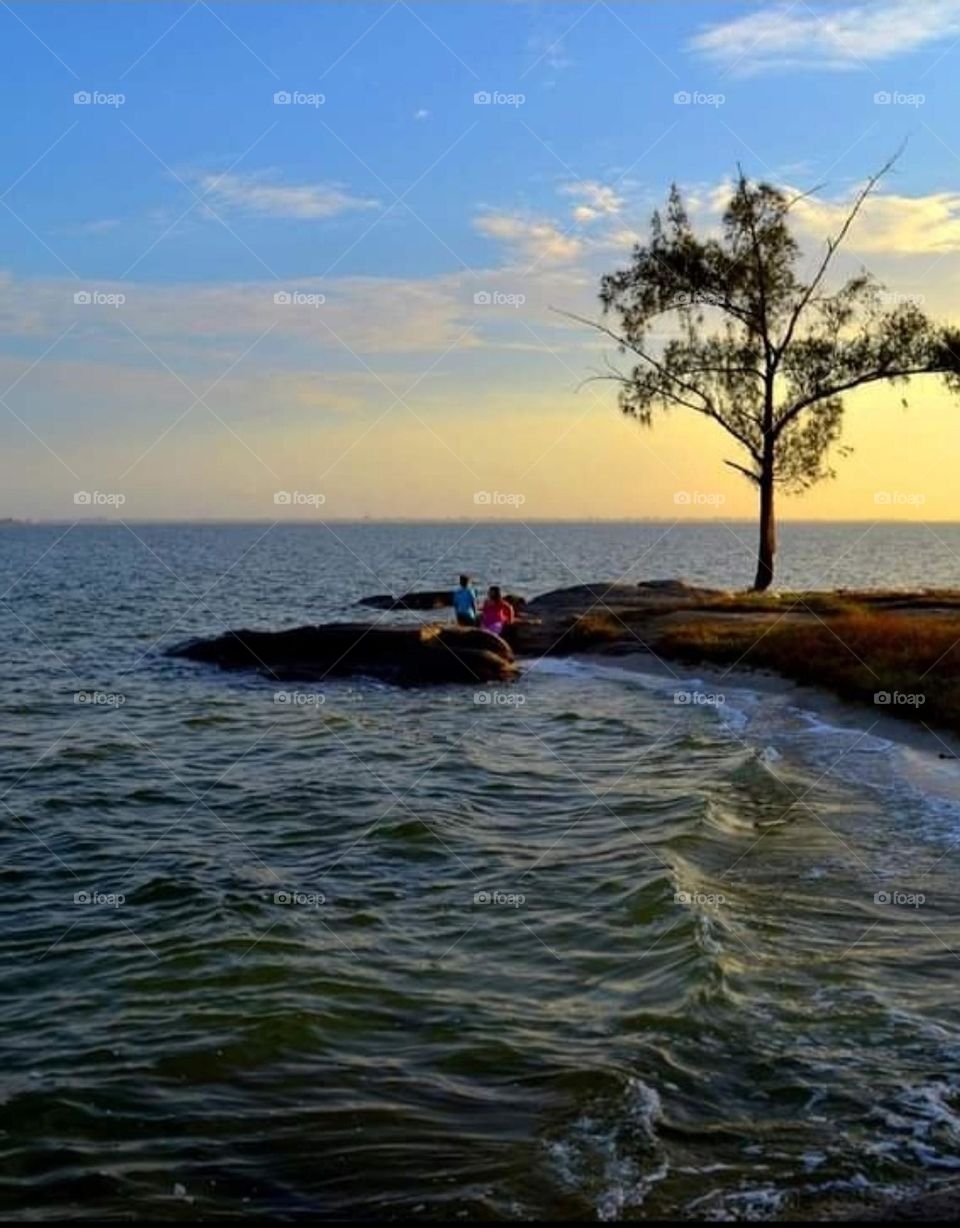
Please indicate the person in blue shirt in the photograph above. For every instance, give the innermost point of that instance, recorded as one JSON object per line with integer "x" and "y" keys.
{"x": 465, "y": 603}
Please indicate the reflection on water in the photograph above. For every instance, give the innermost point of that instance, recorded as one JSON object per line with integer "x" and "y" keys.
{"x": 400, "y": 953}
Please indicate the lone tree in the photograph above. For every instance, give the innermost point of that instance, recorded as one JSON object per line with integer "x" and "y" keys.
{"x": 763, "y": 353}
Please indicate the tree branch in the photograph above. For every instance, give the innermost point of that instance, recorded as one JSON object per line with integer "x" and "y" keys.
{"x": 824, "y": 394}
{"x": 832, "y": 246}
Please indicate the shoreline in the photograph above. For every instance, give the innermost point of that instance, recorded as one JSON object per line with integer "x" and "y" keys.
{"x": 891, "y": 652}
{"x": 809, "y": 697}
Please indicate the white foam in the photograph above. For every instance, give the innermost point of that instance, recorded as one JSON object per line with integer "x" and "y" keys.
{"x": 602, "y": 1153}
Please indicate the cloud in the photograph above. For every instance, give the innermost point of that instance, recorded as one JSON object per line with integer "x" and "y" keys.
{"x": 594, "y": 200}
{"x": 534, "y": 239}
{"x": 256, "y": 194}
{"x": 847, "y": 37}
{"x": 423, "y": 113}
{"x": 549, "y": 51}
{"x": 889, "y": 224}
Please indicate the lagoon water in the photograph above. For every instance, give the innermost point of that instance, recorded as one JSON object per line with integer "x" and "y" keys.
{"x": 352, "y": 950}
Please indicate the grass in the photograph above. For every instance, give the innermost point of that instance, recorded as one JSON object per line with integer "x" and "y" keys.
{"x": 856, "y": 652}
{"x": 592, "y": 630}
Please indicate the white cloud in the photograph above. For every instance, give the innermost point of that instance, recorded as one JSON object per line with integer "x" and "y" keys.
{"x": 841, "y": 37}
{"x": 256, "y": 194}
{"x": 423, "y": 113}
{"x": 889, "y": 224}
{"x": 535, "y": 239}
{"x": 594, "y": 200}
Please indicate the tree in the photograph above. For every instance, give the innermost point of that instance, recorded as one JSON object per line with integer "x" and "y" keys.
{"x": 763, "y": 353}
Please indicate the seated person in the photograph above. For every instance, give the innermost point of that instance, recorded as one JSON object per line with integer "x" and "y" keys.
{"x": 497, "y": 613}
{"x": 465, "y": 603}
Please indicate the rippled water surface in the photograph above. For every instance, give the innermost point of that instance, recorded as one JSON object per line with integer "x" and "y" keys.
{"x": 401, "y": 953}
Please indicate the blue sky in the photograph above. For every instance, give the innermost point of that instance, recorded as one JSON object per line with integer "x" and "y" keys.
{"x": 398, "y": 198}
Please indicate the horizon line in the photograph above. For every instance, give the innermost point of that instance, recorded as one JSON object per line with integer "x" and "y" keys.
{"x": 30, "y": 522}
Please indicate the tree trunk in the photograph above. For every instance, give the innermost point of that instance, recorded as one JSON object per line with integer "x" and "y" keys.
{"x": 768, "y": 529}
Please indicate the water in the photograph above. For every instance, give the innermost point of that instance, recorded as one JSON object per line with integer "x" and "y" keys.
{"x": 586, "y": 954}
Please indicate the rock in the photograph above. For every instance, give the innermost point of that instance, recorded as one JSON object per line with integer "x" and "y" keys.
{"x": 407, "y": 656}
{"x": 430, "y": 599}
{"x": 586, "y": 597}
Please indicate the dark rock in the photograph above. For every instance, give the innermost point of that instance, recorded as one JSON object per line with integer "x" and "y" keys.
{"x": 408, "y": 656}
{"x": 429, "y": 599}
{"x": 586, "y": 597}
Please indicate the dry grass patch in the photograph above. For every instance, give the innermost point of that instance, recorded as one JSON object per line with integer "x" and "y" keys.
{"x": 857, "y": 654}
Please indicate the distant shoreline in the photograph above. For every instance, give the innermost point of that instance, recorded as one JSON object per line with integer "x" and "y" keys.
{"x": 89, "y": 521}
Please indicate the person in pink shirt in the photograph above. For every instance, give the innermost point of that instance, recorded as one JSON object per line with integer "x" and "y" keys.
{"x": 496, "y": 613}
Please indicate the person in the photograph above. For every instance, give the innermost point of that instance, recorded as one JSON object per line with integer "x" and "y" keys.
{"x": 496, "y": 613}
{"x": 465, "y": 603}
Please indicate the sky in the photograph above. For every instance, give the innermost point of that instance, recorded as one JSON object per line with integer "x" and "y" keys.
{"x": 299, "y": 260}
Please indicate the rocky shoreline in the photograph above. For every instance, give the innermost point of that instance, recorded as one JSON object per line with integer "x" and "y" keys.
{"x": 899, "y": 651}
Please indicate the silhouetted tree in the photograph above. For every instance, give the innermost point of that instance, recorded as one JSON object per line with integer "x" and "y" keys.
{"x": 762, "y": 352}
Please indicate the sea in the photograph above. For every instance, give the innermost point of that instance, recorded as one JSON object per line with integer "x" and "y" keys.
{"x": 568, "y": 948}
